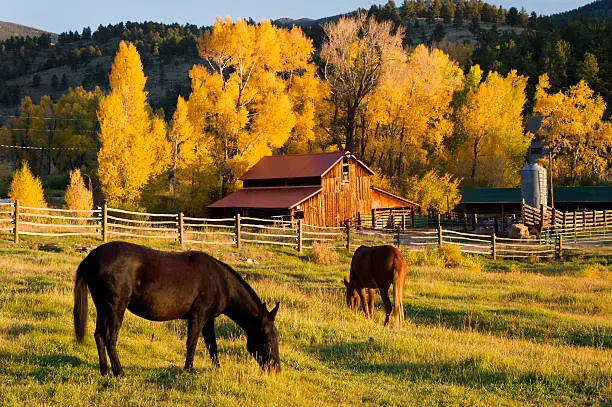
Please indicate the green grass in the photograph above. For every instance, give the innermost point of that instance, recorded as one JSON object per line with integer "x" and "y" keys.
{"x": 489, "y": 333}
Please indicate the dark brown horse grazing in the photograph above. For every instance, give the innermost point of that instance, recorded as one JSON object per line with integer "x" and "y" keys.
{"x": 377, "y": 267}
{"x": 161, "y": 286}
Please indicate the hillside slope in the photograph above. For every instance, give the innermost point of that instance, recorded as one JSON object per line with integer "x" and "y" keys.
{"x": 8, "y": 30}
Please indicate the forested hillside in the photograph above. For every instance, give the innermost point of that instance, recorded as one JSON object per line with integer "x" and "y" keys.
{"x": 432, "y": 96}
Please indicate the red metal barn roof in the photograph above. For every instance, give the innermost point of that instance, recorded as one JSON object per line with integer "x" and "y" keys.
{"x": 296, "y": 166}
{"x": 269, "y": 198}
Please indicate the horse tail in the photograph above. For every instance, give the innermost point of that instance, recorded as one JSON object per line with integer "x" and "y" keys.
{"x": 399, "y": 276}
{"x": 80, "y": 302}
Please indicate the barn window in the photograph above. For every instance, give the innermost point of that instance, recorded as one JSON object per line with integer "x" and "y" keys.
{"x": 345, "y": 169}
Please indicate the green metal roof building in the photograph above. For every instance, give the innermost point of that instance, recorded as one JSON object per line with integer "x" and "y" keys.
{"x": 496, "y": 201}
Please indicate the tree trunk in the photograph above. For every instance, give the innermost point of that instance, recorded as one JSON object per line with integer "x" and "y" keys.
{"x": 475, "y": 161}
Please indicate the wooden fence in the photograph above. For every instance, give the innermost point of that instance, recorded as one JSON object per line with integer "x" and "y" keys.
{"x": 545, "y": 217}
{"x": 109, "y": 223}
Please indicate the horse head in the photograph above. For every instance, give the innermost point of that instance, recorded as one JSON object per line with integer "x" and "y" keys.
{"x": 262, "y": 343}
{"x": 352, "y": 298}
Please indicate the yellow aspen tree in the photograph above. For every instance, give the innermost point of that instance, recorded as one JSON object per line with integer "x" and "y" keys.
{"x": 579, "y": 139}
{"x": 409, "y": 113}
{"x": 134, "y": 148}
{"x": 240, "y": 103}
{"x": 435, "y": 193}
{"x": 184, "y": 147}
{"x": 26, "y": 188}
{"x": 492, "y": 123}
{"x": 77, "y": 196}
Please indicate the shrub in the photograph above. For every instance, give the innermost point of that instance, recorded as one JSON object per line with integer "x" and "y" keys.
{"x": 78, "y": 197}
{"x": 26, "y": 188}
{"x": 451, "y": 255}
{"x": 323, "y": 254}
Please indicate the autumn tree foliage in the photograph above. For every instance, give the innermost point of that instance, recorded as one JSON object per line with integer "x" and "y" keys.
{"x": 490, "y": 123}
{"x": 253, "y": 90}
{"x": 134, "y": 148}
{"x": 78, "y": 197}
{"x": 409, "y": 113}
{"x": 435, "y": 193}
{"x": 355, "y": 56}
{"x": 579, "y": 140}
{"x": 26, "y": 188}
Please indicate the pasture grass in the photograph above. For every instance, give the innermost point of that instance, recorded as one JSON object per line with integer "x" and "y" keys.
{"x": 485, "y": 333}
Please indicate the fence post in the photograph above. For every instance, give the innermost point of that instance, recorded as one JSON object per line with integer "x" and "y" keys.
{"x": 348, "y": 235}
{"x": 583, "y": 219}
{"x": 564, "y": 221}
{"x": 594, "y": 218}
{"x": 373, "y": 218}
{"x": 440, "y": 241}
{"x": 560, "y": 245}
{"x": 299, "y": 236}
{"x": 404, "y": 221}
{"x": 16, "y": 221}
{"x": 522, "y": 212}
{"x": 605, "y": 220}
{"x": 180, "y": 228}
{"x": 542, "y": 214}
{"x": 554, "y": 218}
{"x": 104, "y": 223}
{"x": 238, "y": 230}
{"x": 412, "y": 217}
{"x": 494, "y": 246}
{"x": 398, "y": 236}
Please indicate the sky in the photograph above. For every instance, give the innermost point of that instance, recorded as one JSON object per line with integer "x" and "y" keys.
{"x": 69, "y": 15}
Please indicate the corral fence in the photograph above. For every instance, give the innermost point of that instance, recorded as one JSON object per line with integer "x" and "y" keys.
{"x": 587, "y": 232}
{"x": 108, "y": 223}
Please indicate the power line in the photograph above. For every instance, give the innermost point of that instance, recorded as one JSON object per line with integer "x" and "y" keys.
{"x": 48, "y": 130}
{"x": 47, "y": 148}
{"x": 42, "y": 118}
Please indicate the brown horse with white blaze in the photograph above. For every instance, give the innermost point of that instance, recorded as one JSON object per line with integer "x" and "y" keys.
{"x": 377, "y": 267}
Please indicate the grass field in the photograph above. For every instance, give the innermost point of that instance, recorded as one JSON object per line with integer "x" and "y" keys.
{"x": 496, "y": 334}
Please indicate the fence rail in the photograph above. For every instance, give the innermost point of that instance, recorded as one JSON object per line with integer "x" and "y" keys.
{"x": 106, "y": 223}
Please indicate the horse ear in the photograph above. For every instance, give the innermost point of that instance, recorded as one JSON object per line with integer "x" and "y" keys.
{"x": 346, "y": 283}
{"x": 272, "y": 314}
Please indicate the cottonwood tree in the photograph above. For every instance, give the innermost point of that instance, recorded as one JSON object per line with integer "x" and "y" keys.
{"x": 243, "y": 102}
{"x": 491, "y": 124}
{"x": 435, "y": 193}
{"x": 573, "y": 128}
{"x": 355, "y": 56}
{"x": 134, "y": 148}
{"x": 78, "y": 196}
{"x": 26, "y": 188}
{"x": 409, "y": 114}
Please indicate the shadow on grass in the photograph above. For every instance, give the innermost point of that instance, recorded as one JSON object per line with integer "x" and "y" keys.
{"x": 44, "y": 368}
{"x": 510, "y": 323}
{"x": 473, "y": 371}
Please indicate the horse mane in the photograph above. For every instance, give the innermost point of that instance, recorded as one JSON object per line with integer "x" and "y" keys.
{"x": 240, "y": 280}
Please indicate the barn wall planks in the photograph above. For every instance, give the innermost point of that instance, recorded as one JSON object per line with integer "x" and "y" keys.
{"x": 340, "y": 200}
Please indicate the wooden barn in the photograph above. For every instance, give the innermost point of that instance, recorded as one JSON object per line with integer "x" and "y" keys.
{"x": 325, "y": 189}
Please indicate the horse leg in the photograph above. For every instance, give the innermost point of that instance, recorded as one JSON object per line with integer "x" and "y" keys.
{"x": 194, "y": 327}
{"x": 211, "y": 340}
{"x": 384, "y": 293}
{"x": 364, "y": 302}
{"x": 371, "y": 293}
{"x": 99, "y": 335}
{"x": 114, "y": 321}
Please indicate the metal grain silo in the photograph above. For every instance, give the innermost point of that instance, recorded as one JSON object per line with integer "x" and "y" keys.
{"x": 534, "y": 187}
